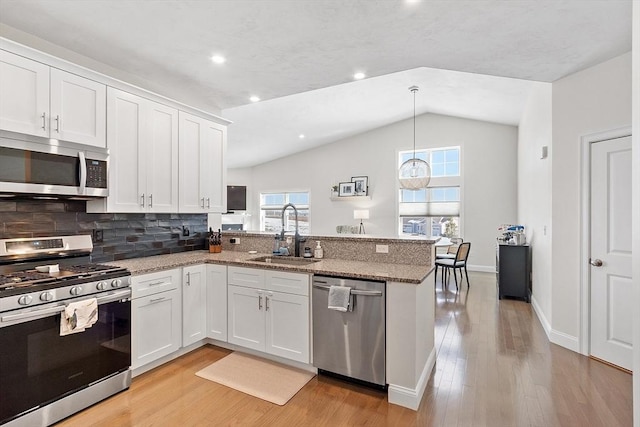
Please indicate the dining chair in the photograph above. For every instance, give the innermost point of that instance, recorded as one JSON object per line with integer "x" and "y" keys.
{"x": 451, "y": 250}
{"x": 459, "y": 262}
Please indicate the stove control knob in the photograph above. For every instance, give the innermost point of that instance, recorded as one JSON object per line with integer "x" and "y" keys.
{"x": 25, "y": 300}
{"x": 46, "y": 296}
{"x": 116, "y": 283}
{"x": 76, "y": 290}
{"x": 101, "y": 286}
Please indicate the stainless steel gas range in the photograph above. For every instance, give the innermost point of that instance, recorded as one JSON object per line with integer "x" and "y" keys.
{"x": 47, "y": 371}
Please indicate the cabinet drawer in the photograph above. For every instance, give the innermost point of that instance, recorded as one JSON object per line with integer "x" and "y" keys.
{"x": 247, "y": 277}
{"x": 287, "y": 282}
{"x": 152, "y": 283}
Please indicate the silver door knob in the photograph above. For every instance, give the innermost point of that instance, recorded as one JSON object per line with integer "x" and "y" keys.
{"x": 596, "y": 262}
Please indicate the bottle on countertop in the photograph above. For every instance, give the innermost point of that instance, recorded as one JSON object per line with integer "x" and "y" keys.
{"x": 318, "y": 252}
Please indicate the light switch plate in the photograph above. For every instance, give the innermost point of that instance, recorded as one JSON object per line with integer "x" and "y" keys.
{"x": 382, "y": 249}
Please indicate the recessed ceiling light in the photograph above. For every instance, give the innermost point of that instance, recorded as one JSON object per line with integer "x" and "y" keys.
{"x": 301, "y": 136}
{"x": 254, "y": 99}
{"x": 218, "y": 59}
{"x": 359, "y": 76}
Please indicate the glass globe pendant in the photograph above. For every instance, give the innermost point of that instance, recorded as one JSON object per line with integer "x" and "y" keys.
{"x": 414, "y": 174}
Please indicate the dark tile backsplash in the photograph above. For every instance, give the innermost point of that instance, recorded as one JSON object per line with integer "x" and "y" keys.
{"x": 124, "y": 235}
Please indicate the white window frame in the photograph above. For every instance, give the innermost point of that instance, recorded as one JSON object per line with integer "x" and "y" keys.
{"x": 445, "y": 181}
{"x": 286, "y": 193}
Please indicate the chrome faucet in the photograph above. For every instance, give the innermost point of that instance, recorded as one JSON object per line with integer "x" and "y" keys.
{"x": 297, "y": 237}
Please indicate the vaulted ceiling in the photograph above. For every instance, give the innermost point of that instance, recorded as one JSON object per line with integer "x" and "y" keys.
{"x": 299, "y": 57}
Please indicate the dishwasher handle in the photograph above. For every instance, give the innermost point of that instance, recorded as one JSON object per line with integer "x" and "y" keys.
{"x": 353, "y": 291}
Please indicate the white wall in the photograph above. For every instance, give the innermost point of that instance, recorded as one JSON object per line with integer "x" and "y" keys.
{"x": 489, "y": 177}
{"x": 534, "y": 191}
{"x": 587, "y": 102}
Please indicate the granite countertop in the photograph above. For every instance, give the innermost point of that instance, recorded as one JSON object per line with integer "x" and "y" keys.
{"x": 335, "y": 267}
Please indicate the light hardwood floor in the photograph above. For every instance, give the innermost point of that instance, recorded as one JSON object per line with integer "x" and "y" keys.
{"x": 495, "y": 367}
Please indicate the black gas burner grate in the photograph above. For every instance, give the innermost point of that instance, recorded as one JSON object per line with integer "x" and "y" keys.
{"x": 91, "y": 268}
{"x": 23, "y": 277}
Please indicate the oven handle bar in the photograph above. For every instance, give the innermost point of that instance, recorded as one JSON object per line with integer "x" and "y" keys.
{"x": 114, "y": 297}
{"x": 35, "y": 313}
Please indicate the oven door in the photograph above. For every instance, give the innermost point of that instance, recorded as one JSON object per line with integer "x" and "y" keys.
{"x": 38, "y": 366}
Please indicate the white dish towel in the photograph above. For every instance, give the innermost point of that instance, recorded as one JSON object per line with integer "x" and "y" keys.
{"x": 339, "y": 298}
{"x": 78, "y": 316}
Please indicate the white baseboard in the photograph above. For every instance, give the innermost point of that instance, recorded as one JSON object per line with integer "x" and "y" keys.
{"x": 546, "y": 325}
{"x": 482, "y": 268}
{"x": 410, "y": 398}
{"x": 560, "y": 338}
{"x": 565, "y": 340}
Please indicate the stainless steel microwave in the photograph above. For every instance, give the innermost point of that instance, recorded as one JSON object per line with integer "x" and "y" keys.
{"x": 39, "y": 166}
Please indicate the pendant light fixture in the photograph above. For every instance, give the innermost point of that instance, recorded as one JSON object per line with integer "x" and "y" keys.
{"x": 414, "y": 174}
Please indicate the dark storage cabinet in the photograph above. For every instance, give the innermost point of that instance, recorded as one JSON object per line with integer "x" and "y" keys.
{"x": 513, "y": 271}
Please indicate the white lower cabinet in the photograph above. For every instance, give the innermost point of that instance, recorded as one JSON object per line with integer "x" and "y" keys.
{"x": 194, "y": 304}
{"x": 266, "y": 320}
{"x": 156, "y": 316}
{"x": 217, "y": 302}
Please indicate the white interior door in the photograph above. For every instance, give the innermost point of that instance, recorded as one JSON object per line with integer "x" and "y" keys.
{"x": 611, "y": 285}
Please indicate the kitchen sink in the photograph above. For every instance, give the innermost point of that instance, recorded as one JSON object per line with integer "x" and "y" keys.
{"x": 287, "y": 260}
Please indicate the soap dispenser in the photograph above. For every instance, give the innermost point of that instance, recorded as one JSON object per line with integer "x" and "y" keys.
{"x": 318, "y": 252}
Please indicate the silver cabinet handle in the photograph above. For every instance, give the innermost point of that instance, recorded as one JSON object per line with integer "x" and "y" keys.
{"x": 142, "y": 200}
{"x": 259, "y": 302}
{"x": 150, "y": 200}
{"x": 188, "y": 279}
{"x": 159, "y": 282}
{"x": 266, "y": 303}
{"x": 156, "y": 299}
{"x": 202, "y": 200}
{"x": 58, "y": 123}
{"x": 208, "y": 202}
{"x": 44, "y": 121}
{"x": 596, "y": 262}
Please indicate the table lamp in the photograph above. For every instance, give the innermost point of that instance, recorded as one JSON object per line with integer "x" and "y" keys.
{"x": 361, "y": 214}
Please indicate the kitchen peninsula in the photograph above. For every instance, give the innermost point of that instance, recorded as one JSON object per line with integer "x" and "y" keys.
{"x": 406, "y": 268}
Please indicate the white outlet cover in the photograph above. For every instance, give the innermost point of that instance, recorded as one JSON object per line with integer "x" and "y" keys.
{"x": 382, "y": 249}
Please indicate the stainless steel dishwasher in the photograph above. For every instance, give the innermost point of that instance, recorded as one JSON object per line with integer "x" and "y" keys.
{"x": 351, "y": 343}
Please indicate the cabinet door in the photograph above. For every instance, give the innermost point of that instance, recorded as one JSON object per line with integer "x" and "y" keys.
{"x": 161, "y": 158}
{"x": 287, "y": 322}
{"x": 245, "y": 322}
{"x": 124, "y": 140}
{"x": 217, "y": 302}
{"x": 212, "y": 167}
{"x": 78, "y": 109}
{"x": 194, "y": 304}
{"x": 190, "y": 161}
{"x": 155, "y": 323}
{"x": 24, "y": 95}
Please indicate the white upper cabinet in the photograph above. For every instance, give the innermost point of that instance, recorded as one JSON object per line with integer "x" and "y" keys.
{"x": 38, "y": 100}
{"x": 78, "y": 109}
{"x": 202, "y": 168}
{"x": 24, "y": 95}
{"x": 143, "y": 145}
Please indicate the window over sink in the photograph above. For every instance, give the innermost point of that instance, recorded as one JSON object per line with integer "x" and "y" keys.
{"x": 271, "y": 205}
